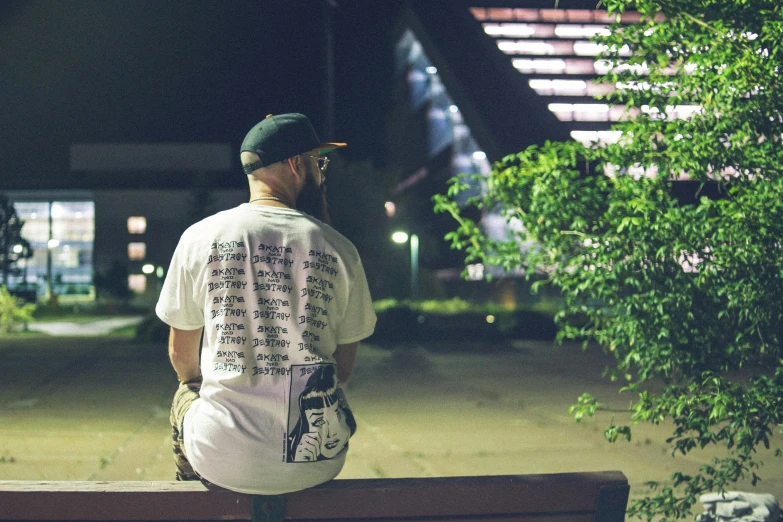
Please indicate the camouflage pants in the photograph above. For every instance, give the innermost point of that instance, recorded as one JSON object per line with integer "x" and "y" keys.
{"x": 186, "y": 394}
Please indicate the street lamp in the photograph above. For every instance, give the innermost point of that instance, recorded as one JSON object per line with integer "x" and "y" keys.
{"x": 401, "y": 237}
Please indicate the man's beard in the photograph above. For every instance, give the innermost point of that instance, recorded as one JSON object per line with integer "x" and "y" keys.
{"x": 312, "y": 200}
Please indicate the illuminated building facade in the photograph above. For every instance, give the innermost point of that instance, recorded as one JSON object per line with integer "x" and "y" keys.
{"x": 476, "y": 81}
{"x": 139, "y": 201}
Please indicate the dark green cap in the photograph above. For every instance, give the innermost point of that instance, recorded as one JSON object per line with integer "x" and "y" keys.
{"x": 279, "y": 137}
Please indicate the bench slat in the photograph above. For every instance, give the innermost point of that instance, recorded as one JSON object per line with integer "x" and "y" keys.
{"x": 565, "y": 497}
{"x": 513, "y": 494}
{"x": 174, "y": 504}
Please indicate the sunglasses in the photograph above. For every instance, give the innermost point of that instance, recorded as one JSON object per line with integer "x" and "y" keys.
{"x": 322, "y": 161}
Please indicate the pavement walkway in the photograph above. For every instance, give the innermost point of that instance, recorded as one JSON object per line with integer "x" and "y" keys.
{"x": 93, "y": 328}
{"x": 97, "y": 409}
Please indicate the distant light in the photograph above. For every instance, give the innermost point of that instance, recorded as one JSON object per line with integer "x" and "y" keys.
{"x": 53, "y": 243}
{"x": 33, "y": 215}
{"x": 432, "y": 70}
{"x": 575, "y": 31}
{"x": 586, "y": 137}
{"x": 604, "y": 66}
{"x": 561, "y": 107}
{"x": 80, "y": 214}
{"x": 588, "y": 48}
{"x": 490, "y": 319}
{"x": 475, "y": 272}
{"x": 57, "y": 210}
{"x": 453, "y": 108}
{"x": 526, "y": 47}
{"x": 137, "y": 251}
{"x": 159, "y": 272}
{"x": 479, "y": 155}
{"x": 558, "y": 85}
{"x": 391, "y": 208}
{"x": 137, "y": 224}
{"x": 148, "y": 269}
{"x": 578, "y": 107}
{"x": 66, "y": 247}
{"x": 591, "y": 107}
{"x": 518, "y": 30}
{"x": 18, "y": 249}
{"x": 539, "y": 65}
{"x": 400, "y": 237}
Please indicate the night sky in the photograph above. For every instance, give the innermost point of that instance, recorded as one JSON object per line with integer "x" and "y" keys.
{"x": 98, "y": 71}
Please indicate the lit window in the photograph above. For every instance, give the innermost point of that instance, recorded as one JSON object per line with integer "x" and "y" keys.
{"x": 603, "y": 137}
{"x": 577, "y": 31}
{"x": 526, "y": 47}
{"x": 137, "y": 251}
{"x": 475, "y": 272}
{"x": 509, "y": 30}
{"x": 137, "y": 224}
{"x": 534, "y": 65}
{"x": 137, "y": 283}
{"x": 559, "y": 87}
{"x": 580, "y": 111}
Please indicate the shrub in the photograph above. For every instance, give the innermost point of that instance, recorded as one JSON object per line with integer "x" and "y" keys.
{"x": 152, "y": 329}
{"x": 455, "y": 320}
{"x": 14, "y": 314}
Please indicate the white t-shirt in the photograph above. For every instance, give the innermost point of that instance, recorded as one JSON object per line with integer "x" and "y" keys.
{"x": 276, "y": 291}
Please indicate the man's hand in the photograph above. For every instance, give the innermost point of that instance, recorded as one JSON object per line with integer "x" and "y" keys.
{"x": 184, "y": 353}
{"x": 309, "y": 448}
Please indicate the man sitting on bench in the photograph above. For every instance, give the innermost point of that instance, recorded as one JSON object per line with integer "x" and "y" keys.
{"x": 281, "y": 301}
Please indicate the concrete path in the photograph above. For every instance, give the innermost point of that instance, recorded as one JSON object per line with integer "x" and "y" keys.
{"x": 97, "y": 409}
{"x": 94, "y": 328}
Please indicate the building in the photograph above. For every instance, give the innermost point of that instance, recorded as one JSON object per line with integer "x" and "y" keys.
{"x": 476, "y": 81}
{"x": 125, "y": 206}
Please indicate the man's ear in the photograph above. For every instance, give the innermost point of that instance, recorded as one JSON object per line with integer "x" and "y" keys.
{"x": 297, "y": 166}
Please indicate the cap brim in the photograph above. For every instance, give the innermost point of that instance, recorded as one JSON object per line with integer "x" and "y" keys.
{"x": 323, "y": 148}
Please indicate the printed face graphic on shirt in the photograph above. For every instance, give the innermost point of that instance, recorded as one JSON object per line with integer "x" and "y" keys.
{"x": 333, "y": 432}
{"x": 324, "y": 422}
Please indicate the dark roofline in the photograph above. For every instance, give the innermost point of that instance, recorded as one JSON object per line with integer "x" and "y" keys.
{"x": 504, "y": 114}
{"x": 533, "y": 4}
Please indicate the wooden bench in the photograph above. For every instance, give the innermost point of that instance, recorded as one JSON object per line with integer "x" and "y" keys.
{"x": 577, "y": 497}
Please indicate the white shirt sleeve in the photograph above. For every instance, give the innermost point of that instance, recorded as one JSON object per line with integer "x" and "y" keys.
{"x": 358, "y": 321}
{"x": 177, "y": 305}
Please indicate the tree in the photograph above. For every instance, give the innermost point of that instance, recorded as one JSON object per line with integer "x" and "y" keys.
{"x": 12, "y": 246}
{"x": 687, "y": 291}
{"x": 113, "y": 283}
{"x": 13, "y": 312}
{"x": 356, "y": 192}
{"x": 201, "y": 199}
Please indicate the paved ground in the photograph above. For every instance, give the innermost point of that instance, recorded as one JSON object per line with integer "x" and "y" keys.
{"x": 97, "y": 409}
{"x": 99, "y": 327}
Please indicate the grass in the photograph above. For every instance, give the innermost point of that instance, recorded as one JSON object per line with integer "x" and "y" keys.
{"x": 126, "y": 332}
{"x": 27, "y": 334}
{"x": 85, "y": 313}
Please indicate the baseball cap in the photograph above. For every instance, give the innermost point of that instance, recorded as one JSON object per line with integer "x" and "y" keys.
{"x": 281, "y": 136}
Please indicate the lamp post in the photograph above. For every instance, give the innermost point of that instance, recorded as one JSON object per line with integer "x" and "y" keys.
{"x": 402, "y": 237}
